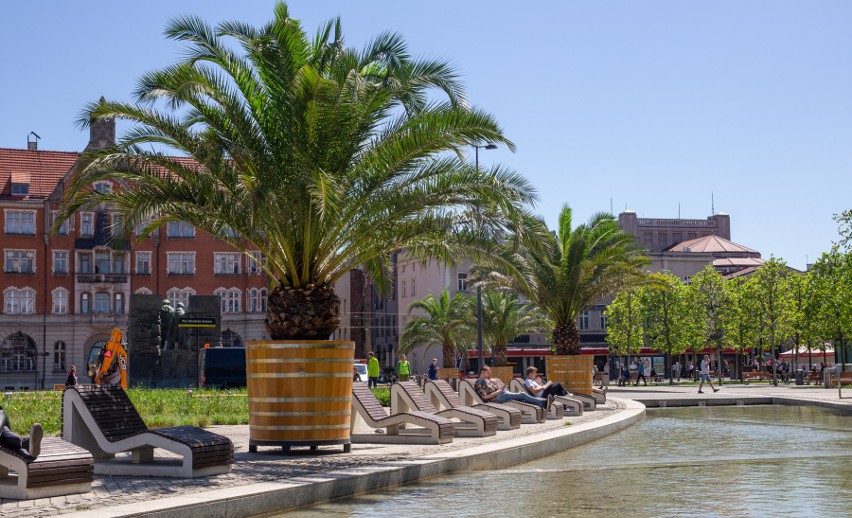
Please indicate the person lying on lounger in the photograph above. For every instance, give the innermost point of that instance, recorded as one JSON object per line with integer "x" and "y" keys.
{"x": 489, "y": 391}
{"x": 11, "y": 440}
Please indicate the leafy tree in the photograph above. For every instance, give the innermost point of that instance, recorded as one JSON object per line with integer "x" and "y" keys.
{"x": 741, "y": 329}
{"x": 504, "y": 318}
{"x": 714, "y": 307}
{"x": 317, "y": 155}
{"x": 832, "y": 300}
{"x": 666, "y": 313}
{"x": 566, "y": 271}
{"x": 773, "y": 311}
{"x": 445, "y": 323}
{"x": 624, "y": 322}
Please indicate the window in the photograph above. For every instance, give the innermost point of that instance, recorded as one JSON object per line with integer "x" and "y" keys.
{"x": 462, "y": 279}
{"x": 63, "y": 230}
{"x": 603, "y": 320}
{"x": 101, "y": 262}
{"x": 253, "y": 264}
{"x": 118, "y": 263}
{"x": 85, "y": 303}
{"x": 142, "y": 224}
{"x": 20, "y": 261}
{"x": 413, "y": 287}
{"x": 403, "y": 288}
{"x": 143, "y": 263}
{"x": 20, "y": 222}
{"x": 180, "y": 229}
{"x": 256, "y": 300}
{"x": 180, "y": 295}
{"x": 101, "y": 302}
{"x": 229, "y": 300}
{"x": 60, "y": 261}
{"x": 59, "y": 356}
{"x": 84, "y": 262}
{"x": 20, "y": 189}
{"x": 17, "y": 353}
{"x": 103, "y": 187}
{"x": 226, "y": 263}
{"x": 584, "y": 320}
{"x": 87, "y": 224}
{"x": 181, "y": 263}
{"x": 60, "y": 301}
{"x": 117, "y": 228}
{"x": 19, "y": 301}
{"x": 118, "y": 307}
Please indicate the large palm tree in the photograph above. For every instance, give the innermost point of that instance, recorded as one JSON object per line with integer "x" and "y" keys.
{"x": 564, "y": 272}
{"x": 445, "y": 322}
{"x": 319, "y": 156}
{"x": 505, "y": 317}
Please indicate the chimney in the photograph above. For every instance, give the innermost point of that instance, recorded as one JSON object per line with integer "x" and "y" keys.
{"x": 101, "y": 133}
{"x": 32, "y": 143}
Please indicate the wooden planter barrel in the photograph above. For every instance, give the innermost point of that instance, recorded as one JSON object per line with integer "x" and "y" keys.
{"x": 573, "y": 371}
{"x": 299, "y": 393}
{"x": 504, "y": 373}
{"x": 448, "y": 373}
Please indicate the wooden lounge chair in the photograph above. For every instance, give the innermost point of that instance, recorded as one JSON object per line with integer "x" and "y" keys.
{"x": 556, "y": 410}
{"x": 530, "y": 413}
{"x": 60, "y": 469}
{"x": 431, "y": 429}
{"x": 103, "y": 420}
{"x": 468, "y": 422}
{"x": 573, "y": 406}
{"x": 442, "y": 395}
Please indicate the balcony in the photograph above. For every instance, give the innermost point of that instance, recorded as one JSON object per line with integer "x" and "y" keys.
{"x": 102, "y": 278}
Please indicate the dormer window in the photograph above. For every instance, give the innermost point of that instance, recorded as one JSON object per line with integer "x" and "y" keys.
{"x": 20, "y": 189}
{"x": 104, "y": 187}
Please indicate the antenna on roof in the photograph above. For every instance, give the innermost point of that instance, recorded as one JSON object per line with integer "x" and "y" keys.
{"x": 678, "y": 211}
{"x": 712, "y": 205}
{"x": 611, "y": 210}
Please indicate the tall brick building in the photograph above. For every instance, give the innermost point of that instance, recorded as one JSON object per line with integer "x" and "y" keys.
{"x": 63, "y": 294}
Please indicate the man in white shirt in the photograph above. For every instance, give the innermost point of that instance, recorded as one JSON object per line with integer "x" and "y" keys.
{"x": 538, "y": 389}
{"x": 705, "y": 374}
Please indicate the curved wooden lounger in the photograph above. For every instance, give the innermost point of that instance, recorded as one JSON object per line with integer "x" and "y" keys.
{"x": 556, "y": 411}
{"x": 442, "y": 395}
{"x": 407, "y": 396}
{"x": 432, "y": 429}
{"x": 531, "y": 413}
{"x": 573, "y": 406}
{"x": 103, "y": 420}
{"x": 60, "y": 469}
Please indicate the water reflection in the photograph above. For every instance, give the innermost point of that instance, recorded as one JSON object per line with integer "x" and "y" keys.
{"x": 715, "y": 461}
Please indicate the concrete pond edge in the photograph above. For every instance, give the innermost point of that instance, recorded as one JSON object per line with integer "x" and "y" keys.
{"x": 270, "y": 497}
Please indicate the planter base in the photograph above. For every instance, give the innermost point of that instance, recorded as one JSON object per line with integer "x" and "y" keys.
{"x": 286, "y": 445}
{"x": 573, "y": 372}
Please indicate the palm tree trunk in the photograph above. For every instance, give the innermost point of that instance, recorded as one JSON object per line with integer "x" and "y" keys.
{"x": 449, "y": 352}
{"x": 312, "y": 312}
{"x": 501, "y": 355}
{"x": 566, "y": 338}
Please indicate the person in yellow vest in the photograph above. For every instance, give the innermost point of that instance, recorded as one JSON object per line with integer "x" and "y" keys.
{"x": 372, "y": 371}
{"x": 403, "y": 369}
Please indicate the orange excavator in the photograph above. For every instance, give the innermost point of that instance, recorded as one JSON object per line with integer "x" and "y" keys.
{"x": 108, "y": 364}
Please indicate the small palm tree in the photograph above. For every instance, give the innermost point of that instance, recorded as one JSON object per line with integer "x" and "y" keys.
{"x": 319, "y": 156}
{"x": 504, "y": 318}
{"x": 446, "y": 323}
{"x": 566, "y": 271}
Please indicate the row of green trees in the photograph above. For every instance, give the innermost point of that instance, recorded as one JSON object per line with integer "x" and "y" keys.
{"x": 775, "y": 307}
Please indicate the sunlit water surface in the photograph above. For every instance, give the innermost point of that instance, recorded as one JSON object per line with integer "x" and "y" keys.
{"x": 714, "y": 461}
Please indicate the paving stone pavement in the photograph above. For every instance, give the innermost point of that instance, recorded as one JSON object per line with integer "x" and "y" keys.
{"x": 268, "y": 464}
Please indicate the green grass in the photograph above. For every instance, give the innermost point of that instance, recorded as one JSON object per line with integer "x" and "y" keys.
{"x": 158, "y": 407}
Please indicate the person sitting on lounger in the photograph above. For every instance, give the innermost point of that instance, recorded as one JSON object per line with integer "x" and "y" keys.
{"x": 489, "y": 391}
{"x": 539, "y": 389}
{"x": 11, "y": 440}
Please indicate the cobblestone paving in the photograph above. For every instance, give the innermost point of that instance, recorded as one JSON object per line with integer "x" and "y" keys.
{"x": 268, "y": 464}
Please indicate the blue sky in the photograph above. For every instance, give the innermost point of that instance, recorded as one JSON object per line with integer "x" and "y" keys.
{"x": 653, "y": 104}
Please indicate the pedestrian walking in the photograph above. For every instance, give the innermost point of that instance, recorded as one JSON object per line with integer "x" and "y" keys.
{"x": 372, "y": 371}
{"x": 403, "y": 368}
{"x": 705, "y": 374}
{"x": 640, "y": 373}
{"x": 433, "y": 369}
{"x": 676, "y": 370}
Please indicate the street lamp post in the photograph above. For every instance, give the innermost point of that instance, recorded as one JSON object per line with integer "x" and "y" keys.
{"x": 481, "y": 359}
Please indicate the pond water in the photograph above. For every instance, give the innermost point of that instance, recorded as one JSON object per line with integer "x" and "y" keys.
{"x": 713, "y": 461}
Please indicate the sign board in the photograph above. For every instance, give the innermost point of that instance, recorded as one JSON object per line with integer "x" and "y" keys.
{"x": 197, "y": 322}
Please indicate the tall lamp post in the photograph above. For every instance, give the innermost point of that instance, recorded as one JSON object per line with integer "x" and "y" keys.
{"x": 481, "y": 359}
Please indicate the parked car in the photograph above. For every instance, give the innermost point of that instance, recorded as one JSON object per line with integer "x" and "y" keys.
{"x": 222, "y": 367}
{"x": 361, "y": 369}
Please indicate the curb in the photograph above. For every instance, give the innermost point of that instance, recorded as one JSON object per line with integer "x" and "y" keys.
{"x": 269, "y": 497}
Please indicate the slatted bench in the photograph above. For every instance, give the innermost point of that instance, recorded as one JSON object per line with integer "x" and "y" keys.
{"x": 61, "y": 469}
{"x": 757, "y": 376}
{"x": 406, "y": 395}
{"x": 573, "y": 406}
{"x": 442, "y": 395}
{"x": 102, "y": 419}
{"x": 844, "y": 379}
{"x": 399, "y": 428}
{"x": 530, "y": 413}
